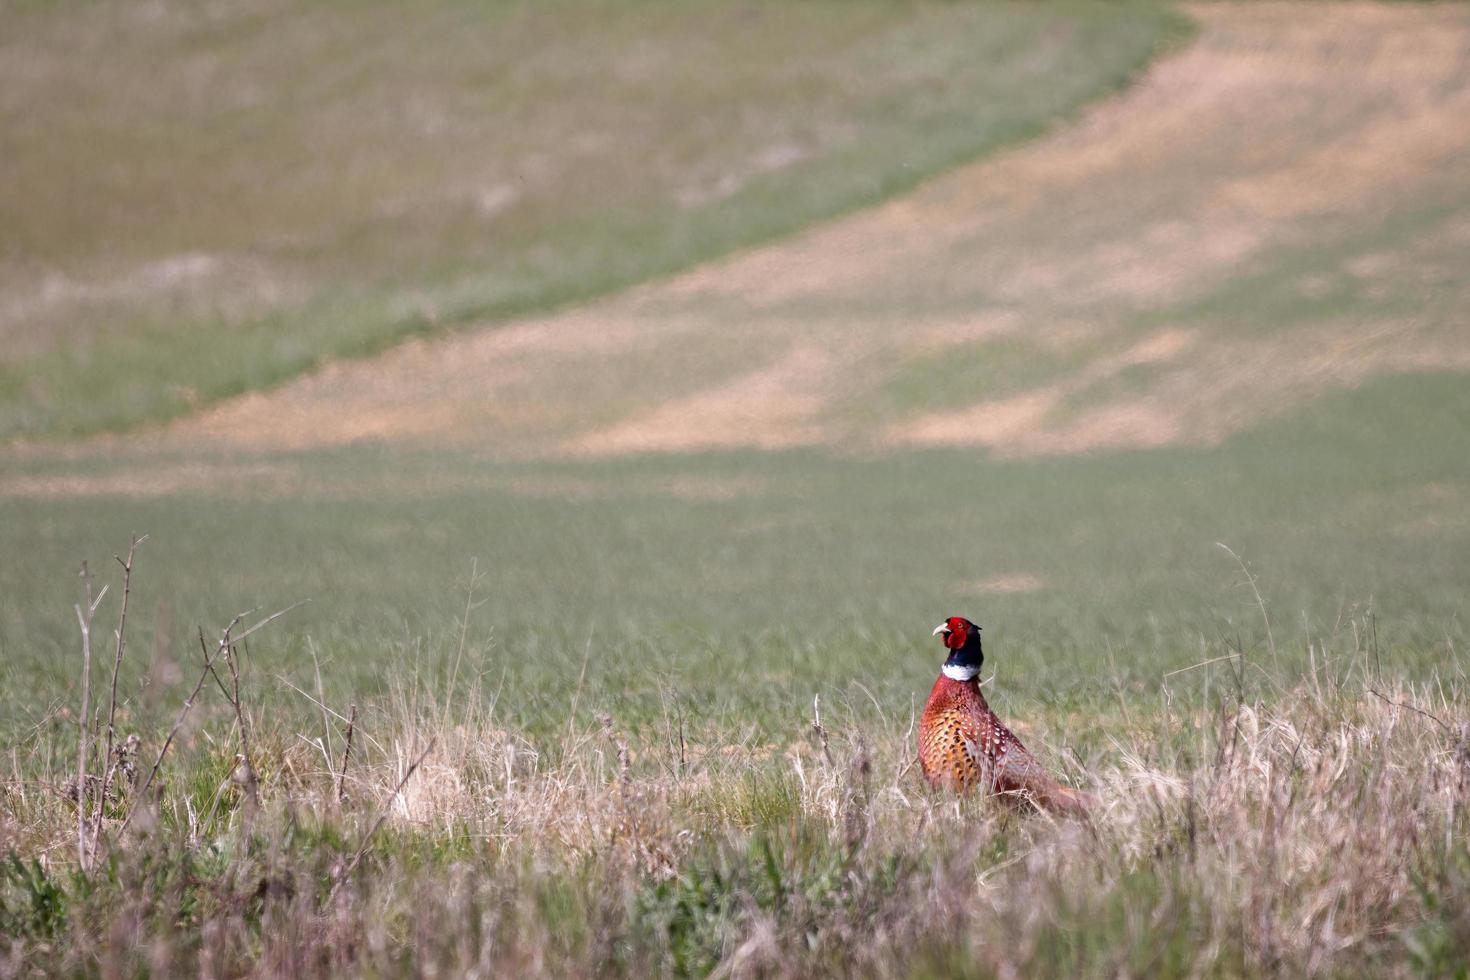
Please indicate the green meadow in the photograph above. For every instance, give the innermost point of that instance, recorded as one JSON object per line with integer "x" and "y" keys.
{"x": 286, "y": 185}
{"x": 746, "y": 582}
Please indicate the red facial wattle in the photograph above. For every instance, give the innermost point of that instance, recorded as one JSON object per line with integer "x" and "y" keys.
{"x": 956, "y": 636}
{"x": 955, "y": 632}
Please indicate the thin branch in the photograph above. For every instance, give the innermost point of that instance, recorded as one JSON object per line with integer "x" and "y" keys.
{"x": 252, "y": 789}
{"x": 267, "y": 621}
{"x": 322, "y": 700}
{"x": 1400, "y": 704}
{"x": 818, "y": 730}
{"x": 1202, "y": 663}
{"x": 232, "y": 661}
{"x": 108, "y": 765}
{"x": 84, "y": 621}
{"x": 329, "y": 710}
{"x": 683, "y": 746}
{"x": 169, "y": 741}
{"x": 1377, "y": 660}
{"x": 346, "y": 756}
{"x": 219, "y": 682}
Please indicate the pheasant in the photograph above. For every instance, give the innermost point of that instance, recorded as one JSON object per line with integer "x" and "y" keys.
{"x": 962, "y": 744}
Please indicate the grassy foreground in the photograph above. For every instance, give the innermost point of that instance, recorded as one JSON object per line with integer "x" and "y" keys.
{"x": 1310, "y": 833}
{"x": 225, "y": 199}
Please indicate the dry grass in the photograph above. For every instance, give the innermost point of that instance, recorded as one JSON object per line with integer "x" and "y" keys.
{"x": 1317, "y": 830}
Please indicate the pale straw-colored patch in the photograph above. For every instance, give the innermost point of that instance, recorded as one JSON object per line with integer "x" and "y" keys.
{"x": 775, "y": 407}
{"x": 1222, "y": 387}
{"x": 154, "y": 480}
{"x": 1010, "y": 583}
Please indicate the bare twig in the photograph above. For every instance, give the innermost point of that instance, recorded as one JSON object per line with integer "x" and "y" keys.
{"x": 252, "y": 790}
{"x": 346, "y": 756}
{"x": 1400, "y": 704}
{"x": 84, "y": 732}
{"x": 120, "y": 634}
{"x": 683, "y": 746}
{"x": 1377, "y": 660}
{"x": 378, "y": 823}
{"x": 267, "y": 621}
{"x": 818, "y": 730}
{"x": 321, "y": 700}
{"x": 232, "y": 694}
{"x": 908, "y": 759}
{"x": 328, "y": 709}
{"x": 1203, "y": 663}
{"x": 204, "y": 675}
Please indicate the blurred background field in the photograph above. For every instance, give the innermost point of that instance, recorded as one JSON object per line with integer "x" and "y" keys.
{"x": 203, "y": 200}
{"x": 611, "y": 375}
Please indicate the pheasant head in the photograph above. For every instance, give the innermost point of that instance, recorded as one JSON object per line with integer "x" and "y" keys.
{"x": 962, "y": 639}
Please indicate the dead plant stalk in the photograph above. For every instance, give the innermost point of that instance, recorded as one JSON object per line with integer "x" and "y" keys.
{"x": 109, "y": 764}
{"x": 84, "y": 620}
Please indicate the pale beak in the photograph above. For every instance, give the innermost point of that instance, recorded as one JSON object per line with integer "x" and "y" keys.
{"x": 941, "y": 628}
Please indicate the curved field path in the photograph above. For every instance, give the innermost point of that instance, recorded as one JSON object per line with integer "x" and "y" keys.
{"x": 1277, "y": 209}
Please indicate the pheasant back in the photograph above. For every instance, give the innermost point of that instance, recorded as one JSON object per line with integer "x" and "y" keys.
{"x": 962, "y": 744}
{"x": 964, "y": 747}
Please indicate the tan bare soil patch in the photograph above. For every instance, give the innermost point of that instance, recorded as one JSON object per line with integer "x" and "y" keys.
{"x": 1013, "y": 583}
{"x": 253, "y": 477}
{"x": 772, "y": 408}
{"x": 1277, "y": 119}
{"x": 690, "y": 488}
{"x": 1219, "y": 390}
{"x": 155, "y": 480}
{"x": 699, "y": 488}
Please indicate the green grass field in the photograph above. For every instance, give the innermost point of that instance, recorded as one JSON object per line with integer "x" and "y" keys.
{"x": 643, "y": 705}
{"x": 289, "y": 185}
{"x": 800, "y": 571}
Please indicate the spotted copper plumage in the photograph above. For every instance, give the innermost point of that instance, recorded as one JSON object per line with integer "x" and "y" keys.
{"x": 962, "y": 744}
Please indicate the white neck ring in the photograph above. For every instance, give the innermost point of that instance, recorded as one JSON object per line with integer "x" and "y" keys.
{"x": 957, "y": 672}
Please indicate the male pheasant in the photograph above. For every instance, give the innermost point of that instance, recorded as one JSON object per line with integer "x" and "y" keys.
{"x": 962, "y": 744}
